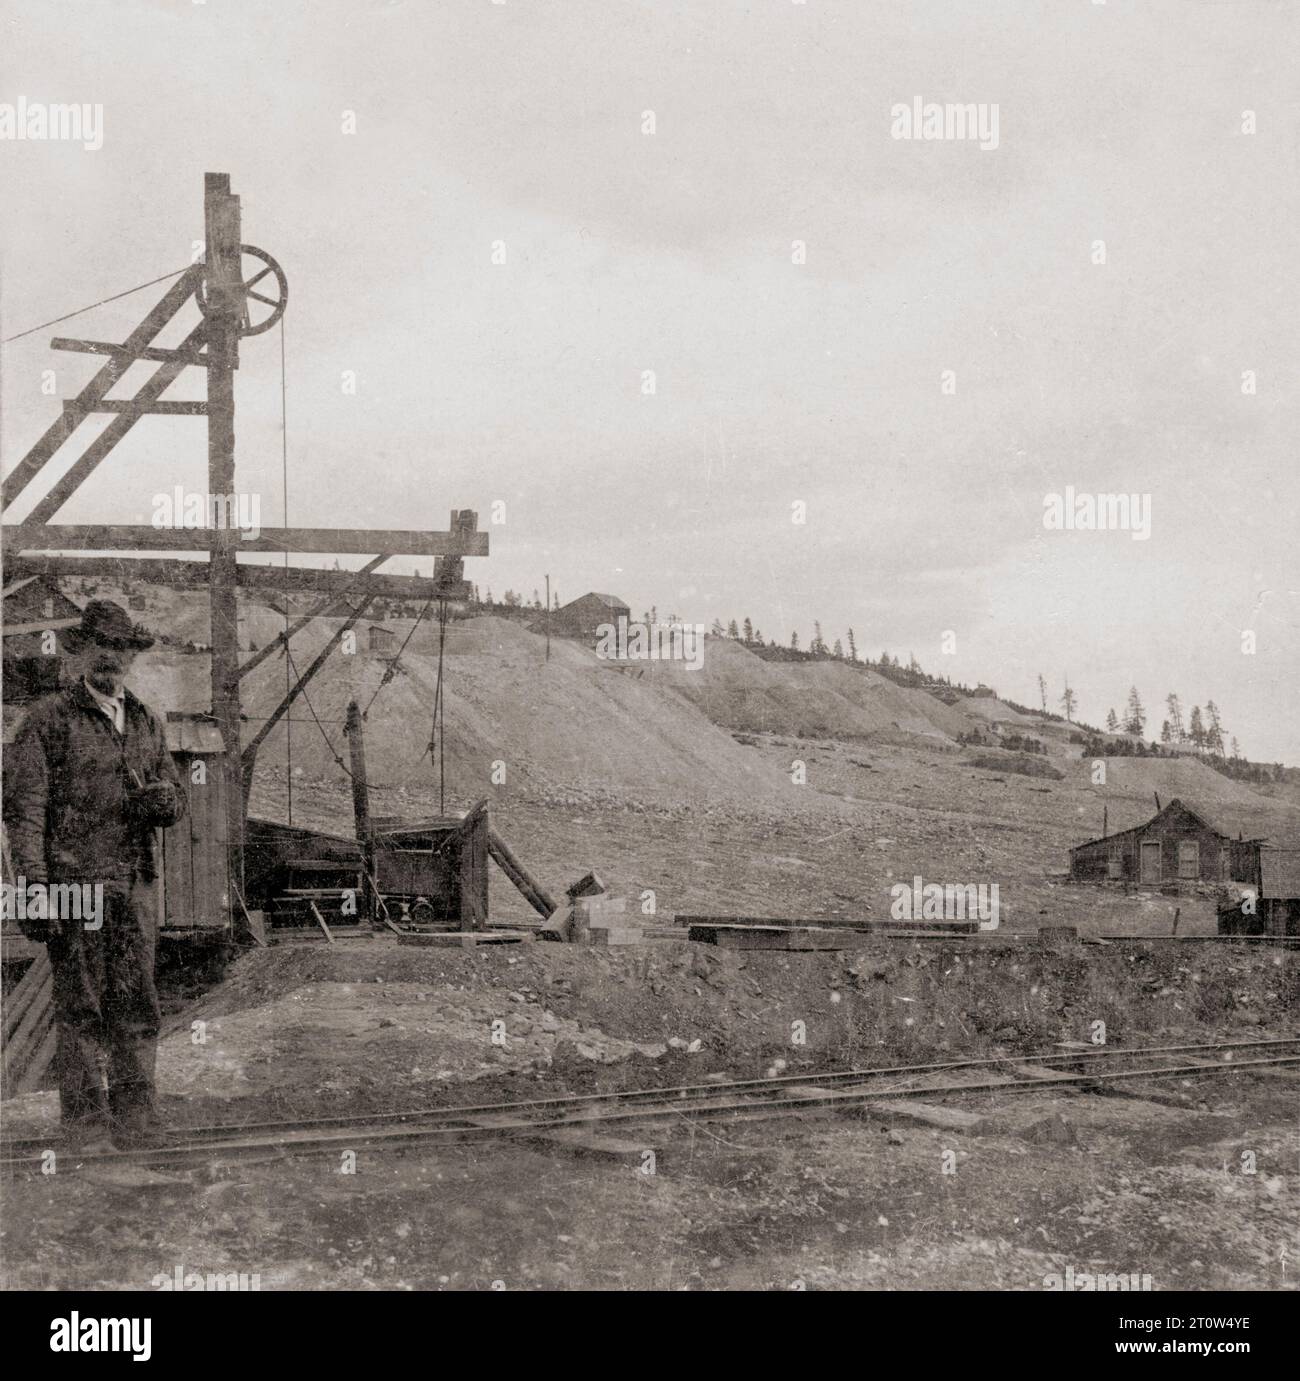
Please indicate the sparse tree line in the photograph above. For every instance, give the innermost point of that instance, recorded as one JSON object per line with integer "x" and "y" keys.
{"x": 909, "y": 673}
{"x": 1201, "y": 732}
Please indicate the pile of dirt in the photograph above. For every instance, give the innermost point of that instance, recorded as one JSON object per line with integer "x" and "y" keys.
{"x": 515, "y": 723}
{"x": 990, "y": 708}
{"x": 741, "y": 691}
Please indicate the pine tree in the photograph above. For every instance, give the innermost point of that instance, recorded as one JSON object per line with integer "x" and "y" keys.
{"x": 732, "y": 630}
{"x": 794, "y": 642}
{"x": 758, "y": 637}
{"x": 853, "y": 647}
{"x": 1176, "y": 730}
{"x": 1112, "y": 721}
{"x": 1214, "y": 734}
{"x": 1166, "y": 735}
{"x": 838, "y": 650}
{"x": 717, "y": 630}
{"x": 1196, "y": 729}
{"x": 747, "y": 631}
{"x": 1042, "y": 691}
{"x": 1136, "y": 716}
{"x": 1236, "y": 749}
{"x": 1068, "y": 702}
{"x": 818, "y": 644}
{"x": 537, "y": 603}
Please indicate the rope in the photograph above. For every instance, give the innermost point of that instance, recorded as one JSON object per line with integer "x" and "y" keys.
{"x": 329, "y": 742}
{"x": 284, "y": 480}
{"x": 391, "y": 669}
{"x": 31, "y": 330}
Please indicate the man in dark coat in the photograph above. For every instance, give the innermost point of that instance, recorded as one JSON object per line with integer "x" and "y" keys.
{"x": 88, "y": 781}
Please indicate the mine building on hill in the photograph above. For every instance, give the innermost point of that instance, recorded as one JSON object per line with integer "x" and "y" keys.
{"x": 1178, "y": 844}
{"x": 583, "y": 617}
{"x": 383, "y": 641}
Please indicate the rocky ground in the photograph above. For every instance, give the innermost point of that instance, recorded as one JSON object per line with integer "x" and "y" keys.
{"x": 1195, "y": 1190}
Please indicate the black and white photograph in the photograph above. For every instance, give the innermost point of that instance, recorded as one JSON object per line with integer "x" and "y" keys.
{"x": 650, "y": 646}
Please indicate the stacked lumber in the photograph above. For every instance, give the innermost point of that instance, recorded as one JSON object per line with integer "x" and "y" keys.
{"x": 29, "y": 1030}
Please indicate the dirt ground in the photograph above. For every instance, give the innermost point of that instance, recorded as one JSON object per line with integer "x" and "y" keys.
{"x": 1193, "y": 1185}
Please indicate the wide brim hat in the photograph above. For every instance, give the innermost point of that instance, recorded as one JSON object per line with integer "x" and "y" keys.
{"x": 109, "y": 625}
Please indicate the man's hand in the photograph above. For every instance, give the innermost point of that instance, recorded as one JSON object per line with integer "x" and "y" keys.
{"x": 154, "y": 803}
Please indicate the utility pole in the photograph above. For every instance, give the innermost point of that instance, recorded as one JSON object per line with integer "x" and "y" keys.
{"x": 548, "y": 618}
{"x": 223, "y": 305}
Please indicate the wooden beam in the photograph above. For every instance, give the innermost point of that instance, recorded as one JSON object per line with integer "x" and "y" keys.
{"x": 320, "y": 541}
{"x": 11, "y": 630}
{"x": 162, "y": 570}
{"x": 81, "y": 468}
{"x": 248, "y": 758}
{"x": 472, "y": 870}
{"x": 323, "y": 610}
{"x": 532, "y": 892}
{"x": 167, "y": 408}
{"x": 142, "y": 352}
{"x": 63, "y": 426}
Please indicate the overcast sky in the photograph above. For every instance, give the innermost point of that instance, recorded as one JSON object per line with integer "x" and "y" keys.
{"x": 775, "y": 381}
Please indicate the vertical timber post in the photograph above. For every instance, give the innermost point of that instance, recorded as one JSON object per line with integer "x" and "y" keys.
{"x": 361, "y": 810}
{"x": 223, "y": 308}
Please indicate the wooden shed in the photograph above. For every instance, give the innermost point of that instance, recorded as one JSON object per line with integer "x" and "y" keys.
{"x": 383, "y": 641}
{"x": 195, "y": 870}
{"x": 585, "y": 615}
{"x": 1177, "y": 845}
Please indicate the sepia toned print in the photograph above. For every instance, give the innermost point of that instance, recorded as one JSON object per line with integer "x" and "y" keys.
{"x": 649, "y": 647}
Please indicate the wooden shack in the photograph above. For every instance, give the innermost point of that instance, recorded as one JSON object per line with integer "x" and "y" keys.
{"x": 585, "y": 616}
{"x": 1177, "y": 845}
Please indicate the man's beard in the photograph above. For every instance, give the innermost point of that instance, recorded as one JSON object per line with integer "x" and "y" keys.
{"x": 106, "y": 677}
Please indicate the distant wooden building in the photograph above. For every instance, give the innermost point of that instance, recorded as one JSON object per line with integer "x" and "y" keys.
{"x": 1177, "y": 844}
{"x": 584, "y": 616}
{"x": 383, "y": 641}
{"x": 32, "y": 609}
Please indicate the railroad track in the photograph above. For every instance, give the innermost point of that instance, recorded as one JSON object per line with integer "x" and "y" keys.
{"x": 783, "y": 1096}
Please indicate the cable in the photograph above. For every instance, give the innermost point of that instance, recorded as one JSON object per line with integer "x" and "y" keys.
{"x": 391, "y": 669}
{"x": 329, "y": 742}
{"x": 284, "y": 480}
{"x": 31, "y": 330}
